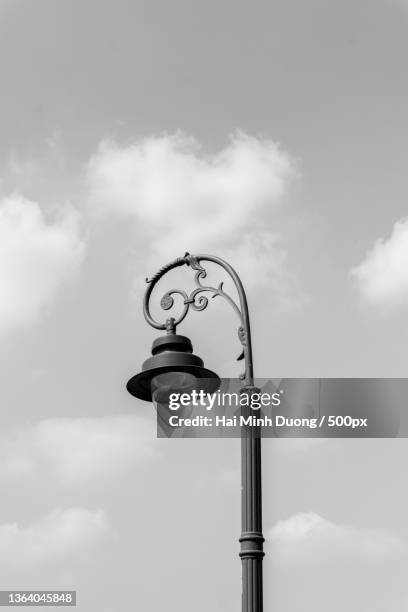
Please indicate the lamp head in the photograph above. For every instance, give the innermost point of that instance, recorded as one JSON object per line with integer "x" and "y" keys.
{"x": 173, "y": 368}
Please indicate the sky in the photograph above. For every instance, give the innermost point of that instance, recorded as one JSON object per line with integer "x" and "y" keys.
{"x": 272, "y": 135}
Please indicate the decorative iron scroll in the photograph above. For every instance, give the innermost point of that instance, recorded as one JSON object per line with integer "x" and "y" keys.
{"x": 196, "y": 300}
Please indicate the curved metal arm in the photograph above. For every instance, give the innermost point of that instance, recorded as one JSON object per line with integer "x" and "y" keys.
{"x": 197, "y": 301}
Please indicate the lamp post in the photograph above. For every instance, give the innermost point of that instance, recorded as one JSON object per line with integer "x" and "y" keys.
{"x": 174, "y": 366}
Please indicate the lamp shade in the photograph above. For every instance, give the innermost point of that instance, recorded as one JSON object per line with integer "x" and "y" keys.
{"x": 172, "y": 368}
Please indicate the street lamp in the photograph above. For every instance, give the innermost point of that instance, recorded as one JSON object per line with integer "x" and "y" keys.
{"x": 173, "y": 367}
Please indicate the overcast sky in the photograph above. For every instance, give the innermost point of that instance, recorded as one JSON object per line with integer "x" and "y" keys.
{"x": 273, "y": 135}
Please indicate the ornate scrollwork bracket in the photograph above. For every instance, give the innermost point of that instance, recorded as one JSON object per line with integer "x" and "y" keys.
{"x": 196, "y": 300}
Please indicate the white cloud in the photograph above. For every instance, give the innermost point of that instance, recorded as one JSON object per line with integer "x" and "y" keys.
{"x": 183, "y": 200}
{"x": 59, "y": 535}
{"x": 163, "y": 180}
{"x": 76, "y": 451}
{"x": 36, "y": 259}
{"x": 382, "y": 277}
{"x": 306, "y": 537}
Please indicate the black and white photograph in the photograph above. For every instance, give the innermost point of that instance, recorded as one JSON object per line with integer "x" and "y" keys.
{"x": 203, "y": 305}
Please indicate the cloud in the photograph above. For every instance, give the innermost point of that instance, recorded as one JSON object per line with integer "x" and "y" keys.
{"x": 382, "y": 277}
{"x": 181, "y": 199}
{"x": 76, "y": 451}
{"x": 306, "y": 538}
{"x": 59, "y": 535}
{"x": 164, "y": 181}
{"x": 36, "y": 259}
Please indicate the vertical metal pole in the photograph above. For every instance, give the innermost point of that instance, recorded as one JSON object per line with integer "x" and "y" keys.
{"x": 251, "y": 537}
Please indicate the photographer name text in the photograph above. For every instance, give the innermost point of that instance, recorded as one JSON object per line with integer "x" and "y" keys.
{"x": 276, "y": 421}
